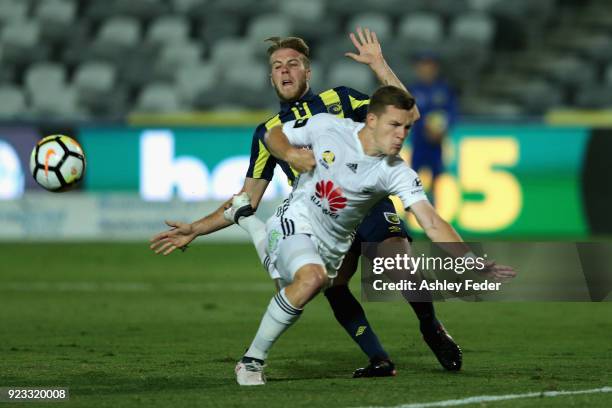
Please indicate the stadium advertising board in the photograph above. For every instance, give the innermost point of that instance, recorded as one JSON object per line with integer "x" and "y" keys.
{"x": 94, "y": 217}
{"x": 15, "y": 146}
{"x": 192, "y": 164}
{"x": 513, "y": 180}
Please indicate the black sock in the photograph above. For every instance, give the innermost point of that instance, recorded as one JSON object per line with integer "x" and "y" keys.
{"x": 427, "y": 316}
{"x": 424, "y": 309}
{"x": 351, "y": 316}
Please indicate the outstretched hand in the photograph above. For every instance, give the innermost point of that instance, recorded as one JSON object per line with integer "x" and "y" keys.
{"x": 368, "y": 47}
{"x": 179, "y": 236}
{"x": 497, "y": 272}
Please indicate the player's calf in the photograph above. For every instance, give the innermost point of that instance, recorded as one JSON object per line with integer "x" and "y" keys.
{"x": 351, "y": 316}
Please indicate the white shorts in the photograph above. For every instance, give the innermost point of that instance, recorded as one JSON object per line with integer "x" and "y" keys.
{"x": 294, "y": 252}
{"x": 292, "y": 244}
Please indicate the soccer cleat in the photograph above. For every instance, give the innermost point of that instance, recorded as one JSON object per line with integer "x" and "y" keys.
{"x": 241, "y": 207}
{"x": 445, "y": 349}
{"x": 250, "y": 373}
{"x": 376, "y": 368}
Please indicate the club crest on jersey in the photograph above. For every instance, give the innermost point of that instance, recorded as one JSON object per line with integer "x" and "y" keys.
{"x": 392, "y": 218}
{"x": 328, "y": 158}
{"x": 329, "y": 198}
{"x": 334, "y": 109}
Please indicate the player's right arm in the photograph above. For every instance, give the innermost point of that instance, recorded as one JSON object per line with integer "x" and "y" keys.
{"x": 287, "y": 142}
{"x": 258, "y": 177}
{"x": 299, "y": 158}
{"x": 181, "y": 234}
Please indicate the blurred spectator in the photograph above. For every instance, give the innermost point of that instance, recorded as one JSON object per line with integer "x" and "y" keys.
{"x": 438, "y": 106}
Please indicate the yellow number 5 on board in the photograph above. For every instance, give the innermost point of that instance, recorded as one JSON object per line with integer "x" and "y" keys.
{"x": 477, "y": 174}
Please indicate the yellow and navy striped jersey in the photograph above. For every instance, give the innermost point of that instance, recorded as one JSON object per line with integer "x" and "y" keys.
{"x": 341, "y": 101}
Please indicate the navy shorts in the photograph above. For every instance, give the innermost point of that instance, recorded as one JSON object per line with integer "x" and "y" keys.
{"x": 382, "y": 222}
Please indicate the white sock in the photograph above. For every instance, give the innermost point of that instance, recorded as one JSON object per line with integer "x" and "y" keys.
{"x": 257, "y": 231}
{"x": 279, "y": 316}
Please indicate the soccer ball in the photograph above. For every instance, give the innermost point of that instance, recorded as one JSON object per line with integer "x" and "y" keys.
{"x": 57, "y": 163}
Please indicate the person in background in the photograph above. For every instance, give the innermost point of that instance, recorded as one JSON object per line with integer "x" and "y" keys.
{"x": 439, "y": 110}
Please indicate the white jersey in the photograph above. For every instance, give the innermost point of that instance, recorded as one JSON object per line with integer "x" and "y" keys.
{"x": 332, "y": 200}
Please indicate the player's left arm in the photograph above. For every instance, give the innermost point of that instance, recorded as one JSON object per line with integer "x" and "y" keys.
{"x": 402, "y": 181}
{"x": 369, "y": 52}
{"x": 438, "y": 230}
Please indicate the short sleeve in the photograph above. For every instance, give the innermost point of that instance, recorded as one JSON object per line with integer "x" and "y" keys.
{"x": 261, "y": 162}
{"x": 302, "y": 132}
{"x": 358, "y": 103}
{"x": 405, "y": 183}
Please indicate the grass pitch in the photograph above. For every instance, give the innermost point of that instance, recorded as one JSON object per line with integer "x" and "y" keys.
{"x": 121, "y": 327}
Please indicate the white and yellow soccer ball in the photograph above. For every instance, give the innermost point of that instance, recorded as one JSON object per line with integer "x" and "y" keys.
{"x": 57, "y": 163}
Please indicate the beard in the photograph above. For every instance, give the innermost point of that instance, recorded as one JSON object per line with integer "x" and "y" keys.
{"x": 301, "y": 90}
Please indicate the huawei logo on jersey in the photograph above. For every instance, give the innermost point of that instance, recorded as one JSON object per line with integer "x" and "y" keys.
{"x": 328, "y": 198}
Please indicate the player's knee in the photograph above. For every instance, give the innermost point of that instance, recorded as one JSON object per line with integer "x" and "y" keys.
{"x": 312, "y": 277}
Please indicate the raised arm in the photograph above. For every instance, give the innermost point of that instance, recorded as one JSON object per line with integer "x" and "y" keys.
{"x": 370, "y": 53}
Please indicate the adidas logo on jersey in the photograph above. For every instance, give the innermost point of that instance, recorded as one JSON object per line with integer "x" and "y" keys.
{"x": 328, "y": 198}
{"x": 352, "y": 166}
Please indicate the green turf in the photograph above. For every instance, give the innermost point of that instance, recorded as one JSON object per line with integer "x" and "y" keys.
{"x": 121, "y": 327}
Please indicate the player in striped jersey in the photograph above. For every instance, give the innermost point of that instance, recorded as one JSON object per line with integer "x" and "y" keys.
{"x": 290, "y": 75}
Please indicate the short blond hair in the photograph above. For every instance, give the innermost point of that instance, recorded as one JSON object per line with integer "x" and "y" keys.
{"x": 294, "y": 43}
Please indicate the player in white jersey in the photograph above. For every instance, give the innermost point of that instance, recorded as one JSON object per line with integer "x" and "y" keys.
{"x": 330, "y": 202}
{"x": 348, "y": 168}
